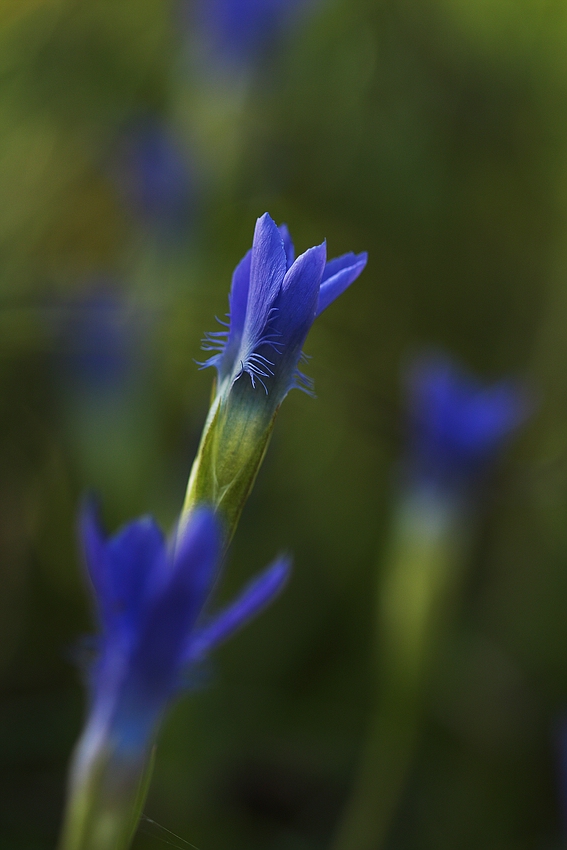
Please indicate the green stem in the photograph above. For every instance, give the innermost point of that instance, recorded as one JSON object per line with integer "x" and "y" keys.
{"x": 414, "y": 599}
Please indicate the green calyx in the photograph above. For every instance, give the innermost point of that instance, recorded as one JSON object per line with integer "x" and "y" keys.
{"x": 105, "y": 804}
{"x": 234, "y": 442}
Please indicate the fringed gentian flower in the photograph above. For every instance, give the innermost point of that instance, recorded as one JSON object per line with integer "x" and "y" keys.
{"x": 150, "y": 597}
{"x": 273, "y": 301}
{"x": 457, "y": 424}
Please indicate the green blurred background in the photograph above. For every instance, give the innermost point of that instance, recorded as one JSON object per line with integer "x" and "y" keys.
{"x": 432, "y": 133}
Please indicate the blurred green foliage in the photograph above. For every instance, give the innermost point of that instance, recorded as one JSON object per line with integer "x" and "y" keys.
{"x": 432, "y": 133}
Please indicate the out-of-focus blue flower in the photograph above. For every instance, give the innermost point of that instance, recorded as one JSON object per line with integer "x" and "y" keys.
{"x": 273, "y": 302}
{"x": 150, "y": 597}
{"x": 457, "y": 424}
{"x": 102, "y": 350}
{"x": 156, "y": 178}
{"x": 100, "y": 337}
{"x": 236, "y": 32}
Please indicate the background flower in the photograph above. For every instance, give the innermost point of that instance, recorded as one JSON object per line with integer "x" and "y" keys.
{"x": 237, "y": 33}
{"x": 157, "y": 179}
{"x": 457, "y": 425}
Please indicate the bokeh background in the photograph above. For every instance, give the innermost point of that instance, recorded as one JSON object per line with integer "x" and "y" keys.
{"x": 139, "y": 141}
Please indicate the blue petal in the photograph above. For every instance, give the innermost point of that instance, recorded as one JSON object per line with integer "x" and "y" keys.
{"x": 238, "y": 300}
{"x": 338, "y": 276}
{"x": 94, "y": 548}
{"x": 300, "y": 290}
{"x": 337, "y": 264}
{"x": 135, "y": 557}
{"x": 197, "y": 554}
{"x": 158, "y": 655}
{"x": 267, "y": 270}
{"x": 120, "y": 568}
{"x": 295, "y": 314}
{"x": 254, "y": 598}
{"x": 294, "y": 311}
{"x": 288, "y": 245}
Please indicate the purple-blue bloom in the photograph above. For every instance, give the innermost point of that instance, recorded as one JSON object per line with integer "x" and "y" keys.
{"x": 156, "y": 178}
{"x": 274, "y": 300}
{"x": 237, "y": 32}
{"x": 101, "y": 337}
{"x": 457, "y": 424}
{"x": 150, "y": 598}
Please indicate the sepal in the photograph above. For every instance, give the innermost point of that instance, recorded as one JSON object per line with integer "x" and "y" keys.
{"x": 233, "y": 445}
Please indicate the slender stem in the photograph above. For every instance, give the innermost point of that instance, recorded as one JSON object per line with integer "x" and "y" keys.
{"x": 414, "y": 597}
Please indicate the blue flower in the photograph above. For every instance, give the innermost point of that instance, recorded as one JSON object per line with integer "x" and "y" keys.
{"x": 156, "y": 178}
{"x": 100, "y": 337}
{"x": 237, "y": 32}
{"x": 150, "y": 598}
{"x": 458, "y": 425}
{"x": 273, "y": 302}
